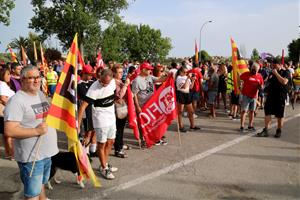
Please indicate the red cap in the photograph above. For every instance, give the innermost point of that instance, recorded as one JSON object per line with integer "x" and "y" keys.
{"x": 87, "y": 69}
{"x": 146, "y": 65}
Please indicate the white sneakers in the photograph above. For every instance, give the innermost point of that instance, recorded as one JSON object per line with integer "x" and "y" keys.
{"x": 107, "y": 172}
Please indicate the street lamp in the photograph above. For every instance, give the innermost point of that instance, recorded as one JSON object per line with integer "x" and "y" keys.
{"x": 200, "y": 37}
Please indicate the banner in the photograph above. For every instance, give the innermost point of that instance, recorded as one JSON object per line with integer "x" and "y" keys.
{"x": 132, "y": 118}
{"x": 158, "y": 113}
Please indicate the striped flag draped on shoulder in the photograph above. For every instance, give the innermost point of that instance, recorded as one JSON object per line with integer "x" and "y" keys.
{"x": 239, "y": 66}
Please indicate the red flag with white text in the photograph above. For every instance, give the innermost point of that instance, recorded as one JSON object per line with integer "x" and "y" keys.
{"x": 158, "y": 113}
{"x": 132, "y": 118}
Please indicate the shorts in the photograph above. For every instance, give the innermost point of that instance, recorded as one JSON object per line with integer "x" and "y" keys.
{"x": 195, "y": 96}
{"x": 234, "y": 99}
{"x": 1, "y": 125}
{"x": 184, "y": 98}
{"x": 274, "y": 108}
{"x": 248, "y": 103}
{"x": 105, "y": 133}
{"x": 297, "y": 88}
{"x": 40, "y": 176}
{"x": 212, "y": 97}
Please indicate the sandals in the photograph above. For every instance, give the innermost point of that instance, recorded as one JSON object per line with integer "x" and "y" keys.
{"x": 126, "y": 147}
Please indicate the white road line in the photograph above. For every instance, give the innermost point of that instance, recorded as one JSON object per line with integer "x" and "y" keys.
{"x": 182, "y": 163}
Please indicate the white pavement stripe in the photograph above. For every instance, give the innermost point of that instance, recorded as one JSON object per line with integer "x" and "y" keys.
{"x": 182, "y": 163}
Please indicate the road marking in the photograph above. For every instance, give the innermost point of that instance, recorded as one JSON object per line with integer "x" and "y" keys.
{"x": 182, "y": 163}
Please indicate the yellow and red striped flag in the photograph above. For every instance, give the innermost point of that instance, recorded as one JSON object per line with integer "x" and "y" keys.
{"x": 44, "y": 66}
{"x": 239, "y": 66}
{"x": 196, "y": 53}
{"x": 62, "y": 112}
{"x": 24, "y": 57}
{"x": 13, "y": 55}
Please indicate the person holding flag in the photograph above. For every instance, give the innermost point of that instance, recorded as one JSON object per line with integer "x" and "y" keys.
{"x": 143, "y": 89}
{"x": 24, "y": 121}
{"x": 101, "y": 95}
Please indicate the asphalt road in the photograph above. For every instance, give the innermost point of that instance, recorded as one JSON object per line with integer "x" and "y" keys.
{"x": 216, "y": 162}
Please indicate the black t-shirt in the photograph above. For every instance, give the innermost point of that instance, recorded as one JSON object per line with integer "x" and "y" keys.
{"x": 82, "y": 89}
{"x": 276, "y": 90}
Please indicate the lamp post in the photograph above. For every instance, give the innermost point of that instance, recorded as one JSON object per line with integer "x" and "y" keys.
{"x": 200, "y": 37}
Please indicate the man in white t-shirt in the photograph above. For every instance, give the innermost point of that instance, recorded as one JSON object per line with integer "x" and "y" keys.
{"x": 101, "y": 95}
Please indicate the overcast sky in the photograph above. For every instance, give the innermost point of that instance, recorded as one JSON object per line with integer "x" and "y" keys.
{"x": 268, "y": 25}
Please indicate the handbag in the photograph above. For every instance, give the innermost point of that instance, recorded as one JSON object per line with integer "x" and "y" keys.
{"x": 121, "y": 109}
{"x": 1, "y": 110}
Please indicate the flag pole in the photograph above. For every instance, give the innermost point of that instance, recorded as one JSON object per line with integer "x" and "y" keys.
{"x": 178, "y": 129}
{"x": 37, "y": 151}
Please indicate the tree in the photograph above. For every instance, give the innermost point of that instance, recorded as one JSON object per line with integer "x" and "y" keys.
{"x": 125, "y": 41}
{"x": 205, "y": 56}
{"x": 52, "y": 54}
{"x": 18, "y": 43}
{"x": 294, "y": 50}
{"x": 255, "y": 55}
{"x": 65, "y": 18}
{"x": 5, "y": 7}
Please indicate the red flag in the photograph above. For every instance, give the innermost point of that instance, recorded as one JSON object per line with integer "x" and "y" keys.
{"x": 132, "y": 118}
{"x": 158, "y": 113}
{"x": 100, "y": 63}
{"x": 81, "y": 61}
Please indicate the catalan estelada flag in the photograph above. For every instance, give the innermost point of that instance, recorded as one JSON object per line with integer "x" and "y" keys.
{"x": 24, "y": 57}
{"x": 239, "y": 66}
{"x": 12, "y": 55}
{"x": 62, "y": 112}
{"x": 196, "y": 53}
{"x": 34, "y": 51}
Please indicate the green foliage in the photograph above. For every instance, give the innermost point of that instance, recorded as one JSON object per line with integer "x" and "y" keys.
{"x": 65, "y": 18}
{"x": 5, "y": 7}
{"x": 255, "y": 55}
{"x": 294, "y": 50}
{"x": 5, "y": 57}
{"x": 125, "y": 41}
{"x": 52, "y": 54}
{"x": 17, "y": 43}
{"x": 205, "y": 56}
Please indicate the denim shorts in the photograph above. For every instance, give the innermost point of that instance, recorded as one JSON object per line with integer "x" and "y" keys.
{"x": 40, "y": 176}
{"x": 248, "y": 103}
{"x": 297, "y": 88}
{"x": 195, "y": 96}
{"x": 212, "y": 97}
{"x": 106, "y": 133}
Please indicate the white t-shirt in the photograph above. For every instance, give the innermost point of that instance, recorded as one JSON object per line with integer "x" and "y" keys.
{"x": 173, "y": 71}
{"x": 103, "y": 109}
{"x": 180, "y": 81}
{"x": 5, "y": 90}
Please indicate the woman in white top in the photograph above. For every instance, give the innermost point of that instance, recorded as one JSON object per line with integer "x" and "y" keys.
{"x": 5, "y": 94}
{"x": 183, "y": 85}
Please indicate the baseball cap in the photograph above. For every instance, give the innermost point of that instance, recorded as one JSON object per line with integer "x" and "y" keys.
{"x": 87, "y": 69}
{"x": 146, "y": 65}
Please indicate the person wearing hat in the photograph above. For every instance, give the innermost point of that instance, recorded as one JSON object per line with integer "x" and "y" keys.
{"x": 52, "y": 78}
{"x": 90, "y": 141}
{"x": 143, "y": 86}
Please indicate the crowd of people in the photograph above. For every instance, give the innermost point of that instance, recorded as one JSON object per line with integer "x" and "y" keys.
{"x": 102, "y": 94}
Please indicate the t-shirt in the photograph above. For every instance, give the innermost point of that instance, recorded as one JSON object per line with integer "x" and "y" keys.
{"x": 251, "y": 84}
{"x": 198, "y": 79}
{"x": 173, "y": 71}
{"x": 143, "y": 87}
{"x": 15, "y": 84}
{"x": 5, "y": 90}
{"x": 180, "y": 81}
{"x": 30, "y": 112}
{"x": 276, "y": 91}
{"x": 82, "y": 88}
{"x": 213, "y": 82}
{"x": 102, "y": 98}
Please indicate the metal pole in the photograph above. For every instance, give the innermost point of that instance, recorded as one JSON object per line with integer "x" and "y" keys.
{"x": 200, "y": 38}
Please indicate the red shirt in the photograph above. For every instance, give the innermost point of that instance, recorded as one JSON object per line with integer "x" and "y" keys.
{"x": 198, "y": 79}
{"x": 252, "y": 84}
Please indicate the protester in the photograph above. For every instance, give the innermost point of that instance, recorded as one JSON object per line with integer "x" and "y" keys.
{"x": 5, "y": 93}
{"x": 101, "y": 95}
{"x": 276, "y": 92}
{"x": 15, "y": 82}
{"x": 252, "y": 82}
{"x": 33, "y": 139}
{"x": 213, "y": 83}
{"x": 183, "y": 85}
{"x": 296, "y": 81}
{"x": 196, "y": 89}
{"x": 120, "y": 98}
{"x": 52, "y": 79}
{"x": 173, "y": 69}
{"x": 90, "y": 140}
{"x": 143, "y": 89}
{"x": 222, "y": 86}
